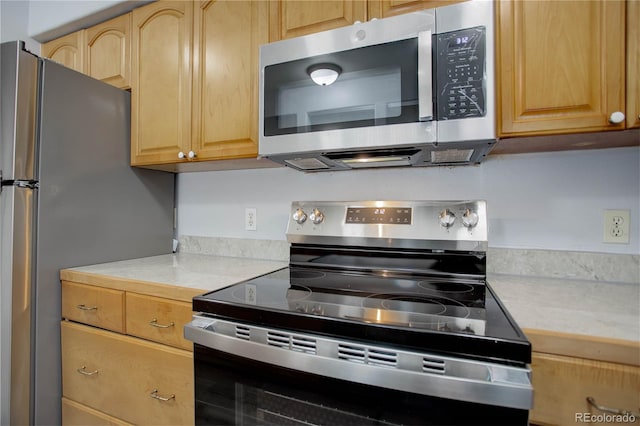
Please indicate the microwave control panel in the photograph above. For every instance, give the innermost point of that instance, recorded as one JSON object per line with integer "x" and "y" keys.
{"x": 460, "y": 61}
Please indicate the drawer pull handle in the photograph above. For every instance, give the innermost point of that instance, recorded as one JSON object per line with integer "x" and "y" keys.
{"x": 84, "y": 371}
{"x": 154, "y": 323}
{"x": 87, "y": 308}
{"x": 155, "y": 395}
{"x": 604, "y": 409}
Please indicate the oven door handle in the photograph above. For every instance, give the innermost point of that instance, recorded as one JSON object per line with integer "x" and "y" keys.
{"x": 425, "y": 76}
{"x": 473, "y": 381}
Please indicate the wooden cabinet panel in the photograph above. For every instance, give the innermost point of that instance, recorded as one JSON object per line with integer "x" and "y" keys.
{"x": 293, "y": 18}
{"x": 386, "y": 8}
{"x": 96, "y": 306}
{"x": 227, "y": 36}
{"x": 74, "y": 414}
{"x": 562, "y": 384}
{"x": 67, "y": 50}
{"x": 161, "y": 81}
{"x": 633, "y": 63}
{"x": 108, "y": 51}
{"x": 561, "y": 65}
{"x": 122, "y": 374}
{"x": 157, "y": 319}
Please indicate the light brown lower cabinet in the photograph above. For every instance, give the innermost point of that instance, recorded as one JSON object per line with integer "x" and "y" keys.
{"x": 124, "y": 360}
{"x": 562, "y": 384}
{"x": 131, "y": 379}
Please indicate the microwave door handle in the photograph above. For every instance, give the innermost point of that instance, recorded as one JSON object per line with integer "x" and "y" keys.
{"x": 425, "y": 77}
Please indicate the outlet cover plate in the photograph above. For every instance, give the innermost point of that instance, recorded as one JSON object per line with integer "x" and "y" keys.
{"x": 616, "y": 226}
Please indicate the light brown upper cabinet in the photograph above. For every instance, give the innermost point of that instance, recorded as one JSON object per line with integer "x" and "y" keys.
{"x": 386, "y": 8}
{"x": 161, "y": 82}
{"x": 561, "y": 66}
{"x": 67, "y": 50}
{"x": 293, "y": 18}
{"x": 633, "y": 63}
{"x": 108, "y": 51}
{"x": 227, "y": 37}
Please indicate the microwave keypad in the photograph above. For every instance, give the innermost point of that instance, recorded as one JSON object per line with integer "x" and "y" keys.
{"x": 460, "y": 74}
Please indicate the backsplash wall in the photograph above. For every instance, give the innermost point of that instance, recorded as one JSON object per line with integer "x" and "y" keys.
{"x": 551, "y": 201}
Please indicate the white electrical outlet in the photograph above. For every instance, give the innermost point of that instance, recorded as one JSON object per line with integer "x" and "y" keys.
{"x": 250, "y": 219}
{"x": 616, "y": 226}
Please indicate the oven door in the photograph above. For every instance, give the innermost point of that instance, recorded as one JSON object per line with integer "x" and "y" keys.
{"x": 246, "y": 374}
{"x": 232, "y": 390}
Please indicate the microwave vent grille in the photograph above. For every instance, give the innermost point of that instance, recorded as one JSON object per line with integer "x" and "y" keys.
{"x": 451, "y": 156}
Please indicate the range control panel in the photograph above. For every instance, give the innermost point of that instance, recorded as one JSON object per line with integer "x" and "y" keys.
{"x": 379, "y": 215}
{"x": 434, "y": 224}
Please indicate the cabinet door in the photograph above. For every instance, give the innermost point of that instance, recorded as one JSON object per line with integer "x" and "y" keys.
{"x": 108, "y": 51}
{"x": 161, "y": 82}
{"x": 227, "y": 36}
{"x": 125, "y": 377}
{"x": 562, "y": 385}
{"x": 386, "y": 8}
{"x": 292, "y": 18}
{"x": 633, "y": 63}
{"x": 67, "y": 50}
{"x": 560, "y": 66}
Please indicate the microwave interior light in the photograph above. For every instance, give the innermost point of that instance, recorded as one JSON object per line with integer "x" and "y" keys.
{"x": 324, "y": 74}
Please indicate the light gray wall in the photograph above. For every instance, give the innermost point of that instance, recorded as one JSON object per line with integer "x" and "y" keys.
{"x": 14, "y": 23}
{"x": 549, "y": 201}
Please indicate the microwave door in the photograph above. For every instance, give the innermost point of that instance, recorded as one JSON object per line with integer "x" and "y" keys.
{"x": 425, "y": 77}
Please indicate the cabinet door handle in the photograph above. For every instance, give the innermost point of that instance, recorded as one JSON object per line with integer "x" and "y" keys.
{"x": 616, "y": 117}
{"x": 604, "y": 409}
{"x": 84, "y": 371}
{"x": 87, "y": 308}
{"x": 154, "y": 323}
{"x": 154, "y": 395}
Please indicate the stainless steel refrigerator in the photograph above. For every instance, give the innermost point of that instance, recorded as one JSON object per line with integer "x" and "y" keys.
{"x": 68, "y": 198}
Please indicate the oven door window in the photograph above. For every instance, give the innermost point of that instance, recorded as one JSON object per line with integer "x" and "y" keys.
{"x": 230, "y": 390}
{"x": 375, "y": 85}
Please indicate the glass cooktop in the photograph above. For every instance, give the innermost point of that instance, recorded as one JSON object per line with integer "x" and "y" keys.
{"x": 459, "y": 316}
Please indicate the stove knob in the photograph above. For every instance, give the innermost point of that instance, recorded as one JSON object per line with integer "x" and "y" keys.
{"x": 447, "y": 218}
{"x": 316, "y": 216}
{"x": 470, "y": 218}
{"x": 300, "y": 216}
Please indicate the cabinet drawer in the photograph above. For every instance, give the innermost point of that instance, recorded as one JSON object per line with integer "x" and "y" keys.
{"x": 126, "y": 377}
{"x": 75, "y": 414}
{"x": 158, "y": 319}
{"x": 91, "y": 305}
{"x": 562, "y": 385}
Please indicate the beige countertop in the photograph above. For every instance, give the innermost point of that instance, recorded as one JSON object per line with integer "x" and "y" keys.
{"x": 179, "y": 276}
{"x": 582, "y": 308}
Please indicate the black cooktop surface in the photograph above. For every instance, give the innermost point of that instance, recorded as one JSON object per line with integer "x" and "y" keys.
{"x": 459, "y": 317}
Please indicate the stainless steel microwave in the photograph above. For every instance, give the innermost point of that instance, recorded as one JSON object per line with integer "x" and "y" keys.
{"x": 411, "y": 90}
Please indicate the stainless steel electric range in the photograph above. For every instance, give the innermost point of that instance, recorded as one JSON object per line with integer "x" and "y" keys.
{"x": 384, "y": 316}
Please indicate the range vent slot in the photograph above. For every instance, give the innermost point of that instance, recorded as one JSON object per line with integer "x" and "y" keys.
{"x": 291, "y": 342}
{"x": 243, "y": 332}
{"x": 364, "y": 355}
{"x": 385, "y": 358}
{"x": 303, "y": 344}
{"x": 352, "y": 353}
{"x": 433, "y": 365}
